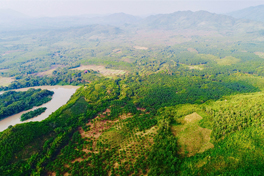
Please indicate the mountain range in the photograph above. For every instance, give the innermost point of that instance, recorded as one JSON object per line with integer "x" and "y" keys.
{"x": 233, "y": 23}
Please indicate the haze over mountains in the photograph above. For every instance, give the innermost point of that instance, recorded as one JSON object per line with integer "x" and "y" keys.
{"x": 243, "y": 21}
{"x": 252, "y": 13}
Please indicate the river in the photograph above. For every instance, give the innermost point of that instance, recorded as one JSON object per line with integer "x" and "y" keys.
{"x": 60, "y": 97}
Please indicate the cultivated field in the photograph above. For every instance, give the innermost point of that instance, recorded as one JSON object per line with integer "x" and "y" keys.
{"x": 101, "y": 69}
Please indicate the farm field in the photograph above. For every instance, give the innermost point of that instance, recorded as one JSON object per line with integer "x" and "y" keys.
{"x": 101, "y": 69}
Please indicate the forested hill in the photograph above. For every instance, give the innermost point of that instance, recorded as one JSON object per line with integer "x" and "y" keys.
{"x": 130, "y": 125}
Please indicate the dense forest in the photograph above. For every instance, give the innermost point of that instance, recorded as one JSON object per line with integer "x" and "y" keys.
{"x": 32, "y": 114}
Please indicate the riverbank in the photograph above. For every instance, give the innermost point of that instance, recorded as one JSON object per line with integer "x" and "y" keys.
{"x": 61, "y": 96}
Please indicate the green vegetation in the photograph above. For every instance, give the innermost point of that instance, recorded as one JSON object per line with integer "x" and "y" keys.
{"x": 14, "y": 102}
{"x": 32, "y": 114}
{"x": 150, "y": 102}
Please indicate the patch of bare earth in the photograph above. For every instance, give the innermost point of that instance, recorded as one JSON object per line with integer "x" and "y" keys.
{"x": 48, "y": 72}
{"x": 118, "y": 51}
{"x": 140, "y": 47}
{"x": 101, "y": 69}
{"x": 98, "y": 125}
{"x": 126, "y": 60}
{"x": 195, "y": 67}
{"x": 5, "y": 81}
{"x": 191, "y": 137}
{"x": 12, "y": 51}
{"x": 260, "y": 54}
{"x": 192, "y": 50}
{"x": 52, "y": 173}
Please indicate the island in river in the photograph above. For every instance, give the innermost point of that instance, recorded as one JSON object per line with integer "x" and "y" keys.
{"x": 60, "y": 97}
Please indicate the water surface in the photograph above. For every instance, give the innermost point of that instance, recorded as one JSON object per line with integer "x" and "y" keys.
{"x": 60, "y": 97}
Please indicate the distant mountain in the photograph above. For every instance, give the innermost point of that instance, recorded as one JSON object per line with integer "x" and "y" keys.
{"x": 12, "y": 21}
{"x": 252, "y": 13}
{"x": 201, "y": 20}
{"x": 118, "y": 19}
{"x": 184, "y": 21}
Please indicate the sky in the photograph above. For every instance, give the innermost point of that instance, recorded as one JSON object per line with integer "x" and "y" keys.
{"x": 54, "y": 8}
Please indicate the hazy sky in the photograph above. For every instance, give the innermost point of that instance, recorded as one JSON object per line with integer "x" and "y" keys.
{"x": 52, "y": 8}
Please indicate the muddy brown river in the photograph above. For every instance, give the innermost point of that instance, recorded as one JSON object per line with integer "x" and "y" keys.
{"x": 60, "y": 97}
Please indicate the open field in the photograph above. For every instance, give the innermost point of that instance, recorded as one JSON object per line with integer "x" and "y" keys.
{"x": 191, "y": 137}
{"x": 195, "y": 67}
{"x": 4, "y": 81}
{"x": 118, "y": 51}
{"x": 228, "y": 60}
{"x": 260, "y": 54}
{"x": 101, "y": 69}
{"x": 140, "y": 47}
{"x": 192, "y": 50}
{"x": 48, "y": 72}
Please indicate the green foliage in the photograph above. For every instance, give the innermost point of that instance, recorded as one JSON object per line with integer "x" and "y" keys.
{"x": 32, "y": 114}
{"x": 15, "y": 102}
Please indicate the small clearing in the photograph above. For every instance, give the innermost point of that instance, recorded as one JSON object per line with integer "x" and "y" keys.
{"x": 192, "y": 50}
{"x": 228, "y": 60}
{"x": 12, "y": 51}
{"x": 126, "y": 60}
{"x": 195, "y": 67}
{"x": 5, "y": 81}
{"x": 101, "y": 69}
{"x": 4, "y": 70}
{"x": 260, "y": 54}
{"x": 48, "y": 72}
{"x": 192, "y": 138}
{"x": 140, "y": 47}
{"x": 118, "y": 51}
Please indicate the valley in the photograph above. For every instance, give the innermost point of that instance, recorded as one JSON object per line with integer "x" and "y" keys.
{"x": 169, "y": 94}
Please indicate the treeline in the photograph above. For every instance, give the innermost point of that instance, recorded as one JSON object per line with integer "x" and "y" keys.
{"x": 14, "y": 102}
{"x": 60, "y": 76}
{"x": 32, "y": 114}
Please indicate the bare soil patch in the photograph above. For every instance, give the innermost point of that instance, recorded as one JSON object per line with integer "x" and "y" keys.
{"x": 11, "y": 51}
{"x": 118, "y": 51}
{"x": 140, "y": 47}
{"x": 126, "y": 60}
{"x": 260, "y": 54}
{"x": 5, "y": 81}
{"x": 101, "y": 69}
{"x": 192, "y": 50}
{"x": 4, "y": 70}
{"x": 48, "y": 72}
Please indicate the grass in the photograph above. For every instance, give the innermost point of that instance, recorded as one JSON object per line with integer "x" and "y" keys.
{"x": 191, "y": 137}
{"x": 195, "y": 67}
{"x": 228, "y": 60}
